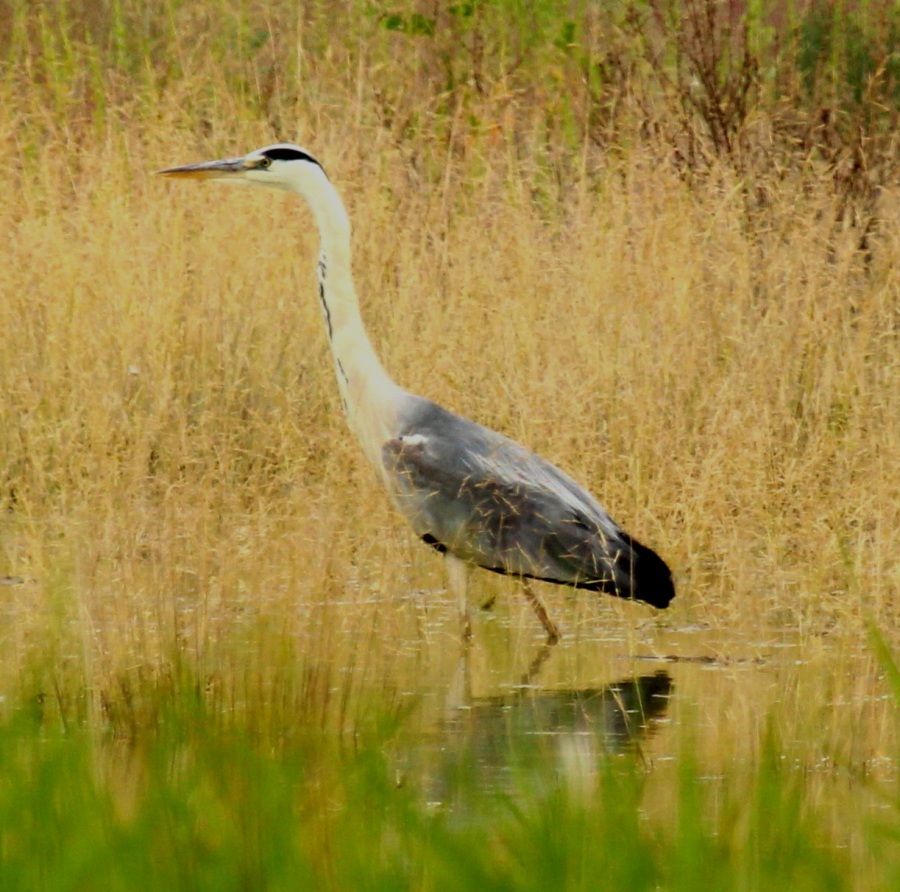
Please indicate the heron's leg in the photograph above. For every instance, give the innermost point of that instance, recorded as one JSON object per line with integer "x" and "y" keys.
{"x": 549, "y": 626}
{"x": 459, "y": 691}
{"x": 529, "y": 678}
{"x": 458, "y": 572}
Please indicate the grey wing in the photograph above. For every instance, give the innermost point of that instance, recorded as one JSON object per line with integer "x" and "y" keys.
{"x": 470, "y": 491}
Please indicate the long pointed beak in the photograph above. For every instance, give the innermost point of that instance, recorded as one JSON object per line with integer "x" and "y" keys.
{"x": 206, "y": 169}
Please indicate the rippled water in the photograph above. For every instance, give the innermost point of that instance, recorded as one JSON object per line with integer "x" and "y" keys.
{"x": 624, "y": 681}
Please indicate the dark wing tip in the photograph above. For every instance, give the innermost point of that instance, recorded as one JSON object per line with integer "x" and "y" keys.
{"x": 650, "y": 577}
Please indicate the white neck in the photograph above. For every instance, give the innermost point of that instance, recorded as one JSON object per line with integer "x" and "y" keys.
{"x": 369, "y": 396}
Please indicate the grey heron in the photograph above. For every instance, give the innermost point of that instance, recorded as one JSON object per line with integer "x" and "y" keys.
{"x": 469, "y": 492}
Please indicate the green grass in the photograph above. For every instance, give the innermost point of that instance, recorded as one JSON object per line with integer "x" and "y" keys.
{"x": 205, "y": 801}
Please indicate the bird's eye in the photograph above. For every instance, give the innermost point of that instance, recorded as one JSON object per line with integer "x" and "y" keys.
{"x": 264, "y": 163}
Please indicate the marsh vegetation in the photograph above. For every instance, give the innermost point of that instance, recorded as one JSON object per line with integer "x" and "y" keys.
{"x": 659, "y": 244}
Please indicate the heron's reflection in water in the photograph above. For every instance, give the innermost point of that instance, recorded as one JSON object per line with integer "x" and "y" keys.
{"x": 536, "y": 738}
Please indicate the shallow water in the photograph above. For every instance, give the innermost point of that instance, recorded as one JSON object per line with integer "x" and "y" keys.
{"x": 623, "y": 679}
{"x": 509, "y": 708}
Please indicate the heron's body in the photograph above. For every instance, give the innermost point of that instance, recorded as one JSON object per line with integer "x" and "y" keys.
{"x": 485, "y": 499}
{"x": 468, "y": 491}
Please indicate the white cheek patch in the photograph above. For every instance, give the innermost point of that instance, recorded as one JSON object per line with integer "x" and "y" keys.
{"x": 413, "y": 440}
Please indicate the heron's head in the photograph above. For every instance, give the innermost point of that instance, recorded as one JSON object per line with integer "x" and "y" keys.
{"x": 280, "y": 166}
